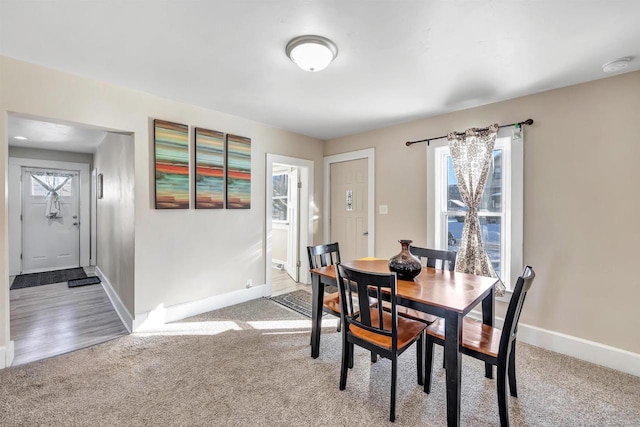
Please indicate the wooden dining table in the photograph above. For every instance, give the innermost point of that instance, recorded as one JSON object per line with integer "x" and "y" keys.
{"x": 446, "y": 294}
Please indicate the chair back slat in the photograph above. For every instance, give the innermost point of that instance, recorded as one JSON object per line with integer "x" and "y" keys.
{"x": 443, "y": 260}
{"x": 367, "y": 286}
{"x": 510, "y": 327}
{"x": 323, "y": 255}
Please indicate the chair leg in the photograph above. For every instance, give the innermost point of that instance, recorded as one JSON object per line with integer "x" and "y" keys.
{"x": 339, "y": 323}
{"x": 351, "y": 347}
{"x": 394, "y": 375}
{"x": 420, "y": 358}
{"x": 374, "y": 357}
{"x": 428, "y": 362}
{"x": 346, "y": 361}
{"x": 503, "y": 407}
{"x": 512, "y": 371}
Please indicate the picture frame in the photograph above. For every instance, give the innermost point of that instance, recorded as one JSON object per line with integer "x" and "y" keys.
{"x": 171, "y": 155}
{"x": 209, "y": 177}
{"x": 238, "y": 172}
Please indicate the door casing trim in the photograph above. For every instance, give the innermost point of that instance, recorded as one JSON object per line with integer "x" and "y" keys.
{"x": 370, "y": 155}
{"x": 15, "y": 209}
{"x": 306, "y": 203}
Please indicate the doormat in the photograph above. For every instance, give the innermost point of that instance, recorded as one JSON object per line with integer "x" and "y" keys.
{"x": 47, "y": 277}
{"x": 92, "y": 280}
{"x": 299, "y": 300}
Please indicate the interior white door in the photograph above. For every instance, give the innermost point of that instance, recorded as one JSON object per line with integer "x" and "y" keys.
{"x": 349, "y": 208}
{"x": 293, "y": 239}
{"x": 50, "y": 233}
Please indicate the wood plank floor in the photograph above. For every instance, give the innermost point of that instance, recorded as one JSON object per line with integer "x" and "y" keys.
{"x": 54, "y": 319}
{"x": 282, "y": 283}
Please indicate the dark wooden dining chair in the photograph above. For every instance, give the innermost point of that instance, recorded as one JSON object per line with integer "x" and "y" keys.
{"x": 322, "y": 256}
{"x": 380, "y": 331}
{"x": 489, "y": 344}
{"x": 434, "y": 258}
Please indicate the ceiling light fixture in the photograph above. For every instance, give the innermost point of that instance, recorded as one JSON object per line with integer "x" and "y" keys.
{"x": 616, "y": 65}
{"x": 312, "y": 53}
{"x": 20, "y": 137}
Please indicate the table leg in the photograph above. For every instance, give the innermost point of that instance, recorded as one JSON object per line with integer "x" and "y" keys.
{"x": 453, "y": 359}
{"x": 488, "y": 314}
{"x": 317, "y": 292}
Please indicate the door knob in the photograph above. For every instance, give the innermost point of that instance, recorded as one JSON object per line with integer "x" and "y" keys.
{"x": 76, "y": 223}
{"x": 366, "y": 233}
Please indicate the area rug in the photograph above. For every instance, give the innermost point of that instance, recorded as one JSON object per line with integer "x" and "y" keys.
{"x": 91, "y": 280}
{"x": 47, "y": 277}
{"x": 299, "y": 300}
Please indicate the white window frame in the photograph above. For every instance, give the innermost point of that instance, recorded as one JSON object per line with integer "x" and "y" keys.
{"x": 285, "y": 197}
{"x": 512, "y": 177}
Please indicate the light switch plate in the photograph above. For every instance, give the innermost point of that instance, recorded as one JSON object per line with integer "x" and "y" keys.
{"x": 383, "y": 209}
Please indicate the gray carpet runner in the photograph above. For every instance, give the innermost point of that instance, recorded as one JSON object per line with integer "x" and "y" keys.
{"x": 300, "y": 300}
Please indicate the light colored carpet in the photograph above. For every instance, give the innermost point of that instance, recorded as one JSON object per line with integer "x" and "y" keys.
{"x": 250, "y": 365}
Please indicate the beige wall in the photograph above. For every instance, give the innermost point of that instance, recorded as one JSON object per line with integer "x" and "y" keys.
{"x": 180, "y": 255}
{"x": 580, "y": 196}
{"x": 116, "y": 215}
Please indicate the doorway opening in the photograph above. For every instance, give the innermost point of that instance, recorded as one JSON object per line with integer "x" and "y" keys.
{"x": 53, "y": 218}
{"x": 289, "y": 226}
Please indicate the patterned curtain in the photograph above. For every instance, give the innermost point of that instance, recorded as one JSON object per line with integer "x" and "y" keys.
{"x": 472, "y": 153}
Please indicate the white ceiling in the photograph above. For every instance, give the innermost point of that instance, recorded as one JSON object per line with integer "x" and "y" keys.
{"x": 47, "y": 135}
{"x": 398, "y": 60}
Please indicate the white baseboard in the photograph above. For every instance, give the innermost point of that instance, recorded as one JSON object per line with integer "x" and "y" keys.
{"x": 6, "y": 355}
{"x": 117, "y": 303}
{"x": 590, "y": 351}
{"x": 176, "y": 312}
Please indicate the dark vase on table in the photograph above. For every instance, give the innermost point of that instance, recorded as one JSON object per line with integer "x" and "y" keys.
{"x": 406, "y": 265}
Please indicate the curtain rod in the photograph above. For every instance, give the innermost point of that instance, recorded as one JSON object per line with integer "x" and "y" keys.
{"x": 527, "y": 122}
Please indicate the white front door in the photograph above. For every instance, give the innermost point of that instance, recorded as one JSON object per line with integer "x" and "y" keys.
{"x": 349, "y": 208}
{"x": 293, "y": 235}
{"x": 50, "y": 227}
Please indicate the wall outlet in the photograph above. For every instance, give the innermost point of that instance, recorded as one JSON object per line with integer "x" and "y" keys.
{"x": 383, "y": 209}
{"x": 249, "y": 283}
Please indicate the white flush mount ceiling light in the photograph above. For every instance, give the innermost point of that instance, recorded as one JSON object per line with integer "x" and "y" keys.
{"x": 22, "y": 138}
{"x": 616, "y": 65}
{"x": 312, "y": 53}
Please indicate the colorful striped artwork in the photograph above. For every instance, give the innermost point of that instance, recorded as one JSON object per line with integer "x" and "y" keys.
{"x": 238, "y": 172}
{"x": 209, "y": 185}
{"x": 172, "y": 165}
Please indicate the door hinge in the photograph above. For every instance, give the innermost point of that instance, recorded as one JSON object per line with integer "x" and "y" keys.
{"x": 299, "y": 185}
{"x": 20, "y": 217}
{"x": 20, "y": 256}
{"x": 298, "y": 263}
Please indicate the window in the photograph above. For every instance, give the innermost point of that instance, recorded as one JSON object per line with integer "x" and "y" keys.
{"x": 280, "y": 197}
{"x": 500, "y": 211}
{"x": 53, "y": 181}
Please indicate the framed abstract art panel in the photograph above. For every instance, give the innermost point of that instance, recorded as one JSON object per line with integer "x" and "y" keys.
{"x": 209, "y": 176}
{"x": 171, "y": 148}
{"x": 238, "y": 183}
